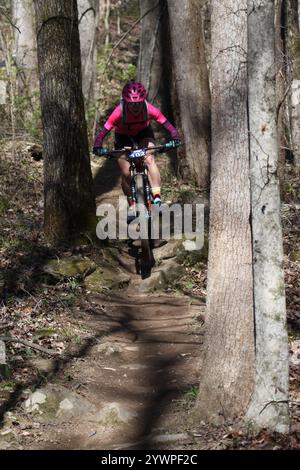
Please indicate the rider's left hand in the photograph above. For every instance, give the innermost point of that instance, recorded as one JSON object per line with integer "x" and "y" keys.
{"x": 173, "y": 143}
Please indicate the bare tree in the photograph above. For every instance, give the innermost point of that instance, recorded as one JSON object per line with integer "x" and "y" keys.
{"x": 6, "y": 42}
{"x": 105, "y": 10}
{"x": 25, "y": 45}
{"x": 191, "y": 82}
{"x": 151, "y": 60}
{"x": 269, "y": 405}
{"x": 227, "y": 375}
{"x": 88, "y": 11}
{"x": 281, "y": 89}
{"x": 69, "y": 199}
{"x": 293, "y": 63}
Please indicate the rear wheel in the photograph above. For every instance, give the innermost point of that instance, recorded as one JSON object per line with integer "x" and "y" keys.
{"x": 147, "y": 257}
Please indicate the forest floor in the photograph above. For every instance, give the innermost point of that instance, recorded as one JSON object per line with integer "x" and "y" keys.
{"x": 129, "y": 351}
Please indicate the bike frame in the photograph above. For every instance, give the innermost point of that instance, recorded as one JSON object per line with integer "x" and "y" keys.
{"x": 136, "y": 158}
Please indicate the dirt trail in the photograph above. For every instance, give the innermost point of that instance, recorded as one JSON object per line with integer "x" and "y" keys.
{"x": 126, "y": 387}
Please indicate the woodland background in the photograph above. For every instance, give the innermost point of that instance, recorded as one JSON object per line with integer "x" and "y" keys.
{"x": 227, "y": 74}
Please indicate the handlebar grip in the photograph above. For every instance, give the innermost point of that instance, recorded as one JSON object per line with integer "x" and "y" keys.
{"x": 100, "y": 151}
{"x": 173, "y": 144}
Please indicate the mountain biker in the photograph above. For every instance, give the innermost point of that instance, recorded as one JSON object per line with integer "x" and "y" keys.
{"x": 131, "y": 121}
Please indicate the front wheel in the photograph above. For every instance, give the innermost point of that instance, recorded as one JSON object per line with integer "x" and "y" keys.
{"x": 147, "y": 256}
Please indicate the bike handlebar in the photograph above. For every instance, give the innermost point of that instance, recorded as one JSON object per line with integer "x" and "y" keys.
{"x": 114, "y": 152}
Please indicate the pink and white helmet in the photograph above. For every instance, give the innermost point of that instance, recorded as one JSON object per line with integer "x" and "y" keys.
{"x": 134, "y": 92}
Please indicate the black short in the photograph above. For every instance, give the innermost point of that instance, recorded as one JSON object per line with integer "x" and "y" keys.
{"x": 123, "y": 140}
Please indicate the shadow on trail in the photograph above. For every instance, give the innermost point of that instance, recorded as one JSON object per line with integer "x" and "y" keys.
{"x": 159, "y": 378}
{"x": 160, "y": 355}
{"x": 25, "y": 272}
{"x": 59, "y": 364}
{"x": 106, "y": 177}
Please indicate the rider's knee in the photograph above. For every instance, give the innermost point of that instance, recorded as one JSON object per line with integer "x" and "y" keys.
{"x": 127, "y": 176}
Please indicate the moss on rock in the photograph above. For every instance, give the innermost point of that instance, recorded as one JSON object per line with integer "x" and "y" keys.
{"x": 72, "y": 267}
{"x": 106, "y": 278}
{"x": 295, "y": 256}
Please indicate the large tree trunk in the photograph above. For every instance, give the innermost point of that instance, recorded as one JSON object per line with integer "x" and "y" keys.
{"x": 25, "y": 46}
{"x": 293, "y": 60}
{"x": 88, "y": 11}
{"x": 227, "y": 375}
{"x": 269, "y": 405}
{"x": 191, "y": 80}
{"x": 69, "y": 199}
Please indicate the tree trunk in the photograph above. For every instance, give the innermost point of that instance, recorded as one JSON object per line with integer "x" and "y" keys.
{"x": 106, "y": 21}
{"x": 269, "y": 405}
{"x": 227, "y": 376}
{"x": 293, "y": 59}
{"x": 5, "y": 46}
{"x": 69, "y": 200}
{"x": 281, "y": 85}
{"x": 151, "y": 61}
{"x": 205, "y": 15}
{"x": 88, "y": 11}
{"x": 25, "y": 46}
{"x": 191, "y": 80}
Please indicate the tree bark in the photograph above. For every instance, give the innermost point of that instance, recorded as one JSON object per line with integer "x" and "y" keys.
{"x": 227, "y": 375}
{"x": 106, "y": 21}
{"x": 191, "y": 81}
{"x": 69, "y": 199}
{"x": 293, "y": 60}
{"x": 25, "y": 46}
{"x": 269, "y": 405}
{"x": 151, "y": 60}
{"x": 281, "y": 85}
{"x": 88, "y": 11}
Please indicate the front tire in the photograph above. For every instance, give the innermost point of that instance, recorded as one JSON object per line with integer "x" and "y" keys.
{"x": 147, "y": 257}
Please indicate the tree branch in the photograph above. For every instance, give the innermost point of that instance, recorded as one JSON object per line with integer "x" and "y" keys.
{"x": 85, "y": 12}
{"x": 127, "y": 32}
{"x": 3, "y": 12}
{"x": 272, "y": 403}
{"x": 58, "y": 17}
{"x": 282, "y": 101}
{"x": 30, "y": 345}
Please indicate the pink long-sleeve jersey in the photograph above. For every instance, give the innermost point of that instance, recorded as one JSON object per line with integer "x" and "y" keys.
{"x": 134, "y": 124}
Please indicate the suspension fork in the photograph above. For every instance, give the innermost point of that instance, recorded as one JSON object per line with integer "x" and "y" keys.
{"x": 132, "y": 183}
{"x": 146, "y": 184}
{"x": 147, "y": 187}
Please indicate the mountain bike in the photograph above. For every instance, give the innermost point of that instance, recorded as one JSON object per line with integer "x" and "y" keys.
{"x": 141, "y": 194}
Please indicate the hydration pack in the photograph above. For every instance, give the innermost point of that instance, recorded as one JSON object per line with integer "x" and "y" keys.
{"x": 144, "y": 113}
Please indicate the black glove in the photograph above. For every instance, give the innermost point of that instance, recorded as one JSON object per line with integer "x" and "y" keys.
{"x": 172, "y": 144}
{"x": 100, "y": 151}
